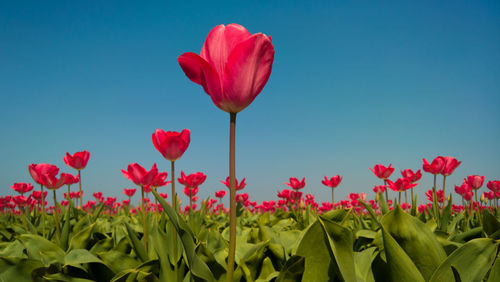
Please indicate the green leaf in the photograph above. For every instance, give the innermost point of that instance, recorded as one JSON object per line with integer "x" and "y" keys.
{"x": 138, "y": 246}
{"x": 416, "y": 240}
{"x": 82, "y": 238}
{"x": 472, "y": 261}
{"x": 63, "y": 243}
{"x": 80, "y": 256}
{"x": 495, "y": 270}
{"x": 18, "y": 269}
{"x": 292, "y": 270}
{"x": 118, "y": 261}
{"x": 490, "y": 224}
{"x": 401, "y": 268}
{"x": 340, "y": 243}
{"x": 41, "y": 249}
{"x": 196, "y": 265}
{"x": 363, "y": 261}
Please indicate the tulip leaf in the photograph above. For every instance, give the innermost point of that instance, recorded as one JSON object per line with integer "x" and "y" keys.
{"x": 400, "y": 265}
{"x": 490, "y": 224}
{"x": 81, "y": 239}
{"x": 472, "y": 261}
{"x": 41, "y": 249}
{"x": 18, "y": 269}
{"x": 197, "y": 266}
{"x": 416, "y": 240}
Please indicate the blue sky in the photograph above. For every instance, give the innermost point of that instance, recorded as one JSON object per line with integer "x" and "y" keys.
{"x": 353, "y": 84}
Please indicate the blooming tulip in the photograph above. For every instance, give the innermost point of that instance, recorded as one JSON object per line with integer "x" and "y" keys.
{"x": 139, "y": 175}
{"x": 193, "y": 180}
{"x": 171, "y": 144}
{"x": 296, "y": 184}
{"x": 435, "y": 167}
{"x": 475, "y": 181}
{"x": 78, "y": 161}
{"x": 450, "y": 164}
{"x": 129, "y": 192}
{"x": 233, "y": 68}
{"x": 332, "y": 183}
{"x": 382, "y": 172}
{"x": 238, "y": 186}
{"x": 22, "y": 187}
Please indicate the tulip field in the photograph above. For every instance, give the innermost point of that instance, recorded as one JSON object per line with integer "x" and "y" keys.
{"x": 386, "y": 233}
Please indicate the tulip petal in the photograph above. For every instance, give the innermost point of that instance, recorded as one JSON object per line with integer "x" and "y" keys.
{"x": 247, "y": 70}
{"x": 220, "y": 42}
{"x": 199, "y": 71}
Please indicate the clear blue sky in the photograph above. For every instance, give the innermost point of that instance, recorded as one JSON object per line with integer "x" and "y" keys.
{"x": 353, "y": 84}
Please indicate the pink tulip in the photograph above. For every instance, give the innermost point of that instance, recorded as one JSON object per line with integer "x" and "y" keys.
{"x": 435, "y": 167}
{"x": 400, "y": 185}
{"x": 332, "y": 182}
{"x": 450, "y": 164}
{"x": 382, "y": 172}
{"x": 233, "y": 66}
{"x": 296, "y": 184}
{"x": 220, "y": 194}
{"x": 493, "y": 185}
{"x": 412, "y": 176}
{"x": 171, "y": 144}
{"x": 238, "y": 186}
{"x": 475, "y": 181}
{"x": 193, "y": 180}
{"x": 78, "y": 160}
{"x": 128, "y": 192}
{"x": 22, "y": 187}
{"x": 139, "y": 175}
{"x": 39, "y": 171}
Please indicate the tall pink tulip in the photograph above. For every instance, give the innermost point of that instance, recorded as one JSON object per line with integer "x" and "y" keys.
{"x": 39, "y": 172}
{"x": 332, "y": 183}
{"x": 78, "y": 161}
{"x": 233, "y": 68}
{"x": 383, "y": 173}
{"x": 450, "y": 164}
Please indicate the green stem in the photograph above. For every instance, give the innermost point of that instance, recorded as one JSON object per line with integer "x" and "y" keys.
{"x": 56, "y": 213}
{"x": 386, "y": 193}
{"x": 232, "y": 198}
{"x": 43, "y": 211}
{"x": 80, "y": 188}
{"x": 333, "y": 199}
{"x": 444, "y": 191}
{"x": 174, "y": 205}
{"x": 143, "y": 218}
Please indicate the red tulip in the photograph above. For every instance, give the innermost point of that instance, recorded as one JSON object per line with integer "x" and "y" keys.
{"x": 412, "y": 176}
{"x": 171, "y": 144}
{"x": 22, "y": 187}
{"x": 70, "y": 179}
{"x": 463, "y": 189}
{"x": 129, "y": 192}
{"x": 493, "y": 185}
{"x": 220, "y": 194}
{"x": 233, "y": 66}
{"x": 333, "y": 182}
{"x": 52, "y": 182}
{"x": 139, "y": 175}
{"x": 78, "y": 160}
{"x": 159, "y": 180}
{"x": 296, "y": 184}
{"x": 39, "y": 170}
{"x": 475, "y": 181}
{"x": 239, "y": 186}
{"x": 435, "y": 167}
{"x": 450, "y": 164}
{"x": 382, "y": 172}
{"x": 193, "y": 180}
{"x": 163, "y": 195}
{"x": 379, "y": 188}
{"x": 439, "y": 195}
{"x": 191, "y": 192}
{"x": 400, "y": 185}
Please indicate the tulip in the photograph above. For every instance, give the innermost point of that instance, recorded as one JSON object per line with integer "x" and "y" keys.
{"x": 296, "y": 184}
{"x": 141, "y": 177}
{"x": 238, "y": 186}
{"x": 402, "y": 184}
{"x": 129, "y": 192}
{"x": 450, "y": 164}
{"x": 494, "y": 186}
{"x": 78, "y": 161}
{"x": 475, "y": 182}
{"x": 383, "y": 173}
{"x": 193, "y": 180}
{"x": 22, "y": 187}
{"x": 39, "y": 172}
{"x": 233, "y": 68}
{"x": 332, "y": 183}
{"x": 435, "y": 167}
{"x": 53, "y": 183}
{"x": 220, "y": 194}
{"x": 172, "y": 145}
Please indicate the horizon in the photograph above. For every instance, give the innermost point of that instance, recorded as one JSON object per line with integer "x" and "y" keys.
{"x": 352, "y": 86}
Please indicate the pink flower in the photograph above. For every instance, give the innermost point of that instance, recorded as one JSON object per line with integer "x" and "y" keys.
{"x": 400, "y": 185}
{"x": 475, "y": 181}
{"x": 382, "y": 172}
{"x": 493, "y": 185}
{"x": 239, "y": 186}
{"x": 450, "y": 164}
{"x": 193, "y": 180}
{"x": 171, "y": 144}
{"x": 128, "y": 192}
{"x": 435, "y": 167}
{"x": 296, "y": 184}
{"x": 41, "y": 171}
{"x": 233, "y": 66}
{"x": 139, "y": 175}
{"x": 332, "y": 182}
{"x": 439, "y": 195}
{"x": 412, "y": 176}
{"x": 22, "y": 187}
{"x": 78, "y": 160}
{"x": 379, "y": 188}
{"x": 220, "y": 194}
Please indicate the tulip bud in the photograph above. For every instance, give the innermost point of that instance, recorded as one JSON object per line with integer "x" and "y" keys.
{"x": 482, "y": 198}
{"x": 377, "y": 197}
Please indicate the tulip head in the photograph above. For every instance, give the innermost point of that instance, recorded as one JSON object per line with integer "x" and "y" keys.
{"x": 382, "y": 172}
{"x": 193, "y": 180}
{"x": 296, "y": 184}
{"x": 475, "y": 181}
{"x": 450, "y": 164}
{"x": 78, "y": 160}
{"x": 238, "y": 186}
{"x": 22, "y": 187}
{"x": 435, "y": 167}
{"x": 139, "y": 175}
{"x": 332, "y": 182}
{"x": 171, "y": 144}
{"x": 233, "y": 66}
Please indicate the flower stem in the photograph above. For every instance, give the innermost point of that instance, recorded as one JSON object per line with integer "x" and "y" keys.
{"x": 333, "y": 199}
{"x": 80, "y": 188}
{"x": 143, "y": 218}
{"x": 56, "y": 213}
{"x": 444, "y": 194}
{"x": 232, "y": 198}
{"x": 43, "y": 211}
{"x": 386, "y": 193}
{"x": 174, "y": 205}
